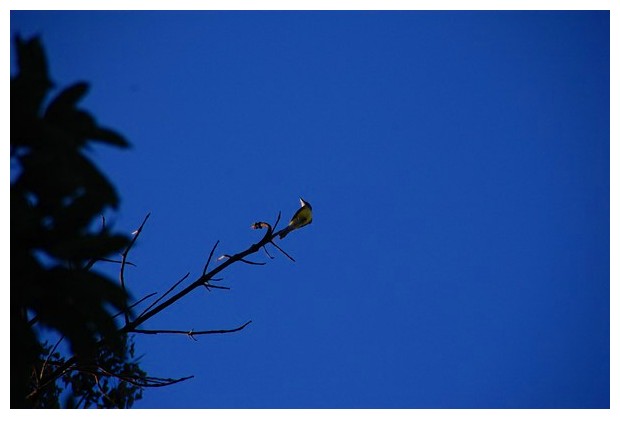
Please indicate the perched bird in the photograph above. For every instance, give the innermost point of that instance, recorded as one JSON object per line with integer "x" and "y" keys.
{"x": 301, "y": 218}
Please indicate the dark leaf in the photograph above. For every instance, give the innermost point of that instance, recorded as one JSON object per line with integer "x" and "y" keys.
{"x": 28, "y": 90}
{"x": 108, "y": 136}
{"x": 29, "y": 87}
{"x": 70, "y": 128}
{"x": 31, "y": 58}
{"x": 77, "y": 304}
{"x": 58, "y": 179}
{"x": 87, "y": 247}
{"x": 67, "y": 100}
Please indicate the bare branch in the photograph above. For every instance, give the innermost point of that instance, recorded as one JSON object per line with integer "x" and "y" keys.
{"x": 205, "y": 278}
{"x": 190, "y": 333}
{"x": 161, "y": 304}
{"x": 138, "y": 381}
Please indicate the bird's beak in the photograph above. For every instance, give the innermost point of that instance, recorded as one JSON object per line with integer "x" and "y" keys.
{"x": 303, "y": 203}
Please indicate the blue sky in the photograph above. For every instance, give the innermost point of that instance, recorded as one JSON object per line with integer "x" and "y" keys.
{"x": 458, "y": 167}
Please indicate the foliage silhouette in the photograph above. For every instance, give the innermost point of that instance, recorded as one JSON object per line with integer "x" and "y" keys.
{"x": 56, "y": 197}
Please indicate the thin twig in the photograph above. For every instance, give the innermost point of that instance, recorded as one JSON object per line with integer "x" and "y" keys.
{"x": 281, "y": 250}
{"x": 267, "y": 252}
{"x": 252, "y": 262}
{"x": 210, "y": 256}
{"x": 144, "y": 381}
{"x": 117, "y": 262}
{"x": 275, "y": 225}
{"x": 33, "y": 321}
{"x": 49, "y": 356}
{"x": 83, "y": 397}
{"x": 93, "y": 261}
{"x": 103, "y": 391}
{"x": 164, "y": 295}
{"x": 211, "y": 285}
{"x": 124, "y": 262}
{"x": 242, "y": 260}
{"x": 135, "y": 304}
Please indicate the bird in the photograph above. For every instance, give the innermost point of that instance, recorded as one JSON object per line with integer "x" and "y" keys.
{"x": 301, "y": 218}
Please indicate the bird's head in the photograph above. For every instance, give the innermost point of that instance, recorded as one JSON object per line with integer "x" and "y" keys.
{"x": 305, "y": 203}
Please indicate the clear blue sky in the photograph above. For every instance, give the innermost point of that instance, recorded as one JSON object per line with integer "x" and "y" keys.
{"x": 458, "y": 167}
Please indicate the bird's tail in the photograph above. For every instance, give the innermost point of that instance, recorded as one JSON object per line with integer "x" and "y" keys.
{"x": 285, "y": 231}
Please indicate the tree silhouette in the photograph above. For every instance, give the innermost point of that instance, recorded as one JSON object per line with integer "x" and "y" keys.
{"x": 58, "y": 234}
